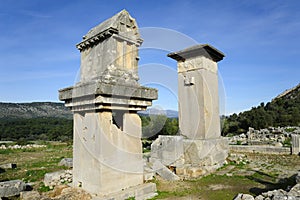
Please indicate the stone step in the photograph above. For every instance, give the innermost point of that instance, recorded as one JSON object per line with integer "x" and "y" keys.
{"x": 140, "y": 192}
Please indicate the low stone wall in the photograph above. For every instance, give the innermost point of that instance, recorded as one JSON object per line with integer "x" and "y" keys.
{"x": 260, "y": 149}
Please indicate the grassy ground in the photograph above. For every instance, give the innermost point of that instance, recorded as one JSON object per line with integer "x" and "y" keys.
{"x": 256, "y": 174}
{"x": 32, "y": 164}
{"x": 259, "y": 173}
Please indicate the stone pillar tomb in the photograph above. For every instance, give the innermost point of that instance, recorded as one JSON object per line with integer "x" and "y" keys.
{"x": 198, "y": 96}
{"x": 201, "y": 149}
{"x": 107, "y": 155}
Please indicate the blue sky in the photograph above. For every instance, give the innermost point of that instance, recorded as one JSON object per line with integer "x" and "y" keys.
{"x": 260, "y": 39}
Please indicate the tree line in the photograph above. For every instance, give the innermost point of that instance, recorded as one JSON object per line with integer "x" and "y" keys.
{"x": 44, "y": 128}
{"x": 279, "y": 112}
{"x": 61, "y": 129}
{"x": 282, "y": 112}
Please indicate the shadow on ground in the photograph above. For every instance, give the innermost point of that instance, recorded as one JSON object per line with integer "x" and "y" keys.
{"x": 266, "y": 180}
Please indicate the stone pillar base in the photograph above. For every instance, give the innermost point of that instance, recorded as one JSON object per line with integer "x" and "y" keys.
{"x": 140, "y": 192}
{"x": 202, "y": 157}
{"x": 190, "y": 158}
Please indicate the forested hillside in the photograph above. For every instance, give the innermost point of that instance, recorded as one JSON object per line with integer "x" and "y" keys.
{"x": 284, "y": 110}
{"x": 35, "y": 121}
{"x": 34, "y": 110}
{"x": 53, "y": 121}
{"x": 46, "y": 128}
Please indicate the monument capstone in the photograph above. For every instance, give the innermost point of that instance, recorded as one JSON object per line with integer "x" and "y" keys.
{"x": 107, "y": 149}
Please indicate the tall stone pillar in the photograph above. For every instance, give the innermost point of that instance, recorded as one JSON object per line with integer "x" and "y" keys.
{"x": 204, "y": 150}
{"x": 107, "y": 155}
{"x": 198, "y": 91}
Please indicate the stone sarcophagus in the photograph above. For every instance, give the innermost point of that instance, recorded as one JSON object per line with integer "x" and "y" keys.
{"x": 107, "y": 155}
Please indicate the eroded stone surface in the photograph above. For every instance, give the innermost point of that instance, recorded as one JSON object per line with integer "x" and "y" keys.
{"x": 200, "y": 150}
{"x": 168, "y": 150}
{"x": 164, "y": 172}
{"x": 198, "y": 91}
{"x": 11, "y": 188}
{"x": 190, "y": 158}
{"x": 107, "y": 154}
{"x": 67, "y": 162}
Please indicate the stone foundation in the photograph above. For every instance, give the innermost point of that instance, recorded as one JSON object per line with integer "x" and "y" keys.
{"x": 189, "y": 158}
{"x": 260, "y": 149}
{"x": 140, "y": 192}
{"x": 106, "y": 152}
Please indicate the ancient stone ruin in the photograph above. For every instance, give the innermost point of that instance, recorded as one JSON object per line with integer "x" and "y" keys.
{"x": 271, "y": 140}
{"x": 107, "y": 155}
{"x": 199, "y": 149}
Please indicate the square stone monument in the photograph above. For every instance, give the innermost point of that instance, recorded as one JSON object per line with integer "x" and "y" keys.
{"x": 203, "y": 149}
{"x": 198, "y": 97}
{"x": 107, "y": 154}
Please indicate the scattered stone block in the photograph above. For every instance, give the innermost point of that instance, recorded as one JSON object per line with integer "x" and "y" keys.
{"x": 67, "y": 162}
{"x": 11, "y": 188}
{"x": 52, "y": 177}
{"x": 57, "y": 178}
{"x": 30, "y": 195}
{"x": 295, "y": 191}
{"x": 8, "y": 166}
{"x": 241, "y": 196}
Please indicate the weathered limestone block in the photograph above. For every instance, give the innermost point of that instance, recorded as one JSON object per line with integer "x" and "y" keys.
{"x": 107, "y": 155}
{"x": 200, "y": 150}
{"x": 295, "y": 191}
{"x": 190, "y": 158}
{"x": 198, "y": 91}
{"x": 30, "y": 195}
{"x": 11, "y": 188}
{"x": 109, "y": 51}
{"x": 140, "y": 192}
{"x": 168, "y": 150}
{"x": 106, "y": 152}
{"x": 205, "y": 152}
{"x": 242, "y": 196}
{"x": 67, "y": 162}
{"x": 164, "y": 172}
{"x": 8, "y": 166}
{"x": 53, "y": 178}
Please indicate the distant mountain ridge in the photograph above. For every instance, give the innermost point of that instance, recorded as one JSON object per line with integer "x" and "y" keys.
{"x": 34, "y": 110}
{"x": 155, "y": 111}
{"x": 58, "y": 110}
